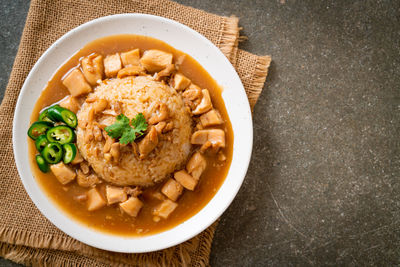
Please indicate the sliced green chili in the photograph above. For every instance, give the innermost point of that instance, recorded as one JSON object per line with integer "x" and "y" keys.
{"x": 52, "y": 153}
{"x": 59, "y": 114}
{"x": 42, "y": 164}
{"x": 69, "y": 153}
{"x": 60, "y": 134}
{"x": 52, "y": 112}
{"x": 39, "y": 128}
{"x": 44, "y": 116}
{"x": 41, "y": 142}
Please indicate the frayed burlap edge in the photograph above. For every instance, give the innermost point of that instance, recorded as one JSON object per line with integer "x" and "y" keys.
{"x": 260, "y": 75}
{"x": 229, "y": 37}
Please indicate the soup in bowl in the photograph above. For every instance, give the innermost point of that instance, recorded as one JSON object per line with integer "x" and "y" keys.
{"x": 150, "y": 141}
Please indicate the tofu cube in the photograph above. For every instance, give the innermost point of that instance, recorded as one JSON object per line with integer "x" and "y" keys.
{"x": 132, "y": 206}
{"x": 70, "y": 103}
{"x": 180, "y": 82}
{"x": 93, "y": 68}
{"x": 76, "y": 83}
{"x": 172, "y": 189}
{"x": 211, "y": 118}
{"x": 131, "y": 58}
{"x": 112, "y": 64}
{"x": 155, "y": 60}
{"x": 199, "y": 137}
{"x": 95, "y": 201}
{"x": 165, "y": 208}
{"x": 205, "y": 104}
{"x": 63, "y": 173}
{"x": 196, "y": 165}
{"x": 185, "y": 179}
{"x": 215, "y": 136}
{"x": 156, "y": 195}
{"x": 115, "y": 194}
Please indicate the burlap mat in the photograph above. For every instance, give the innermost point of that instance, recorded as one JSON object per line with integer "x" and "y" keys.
{"x": 25, "y": 235}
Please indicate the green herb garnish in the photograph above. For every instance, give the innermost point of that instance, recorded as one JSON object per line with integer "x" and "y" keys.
{"x": 123, "y": 131}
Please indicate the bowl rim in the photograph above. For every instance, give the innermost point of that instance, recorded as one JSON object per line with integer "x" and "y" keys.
{"x": 179, "y": 233}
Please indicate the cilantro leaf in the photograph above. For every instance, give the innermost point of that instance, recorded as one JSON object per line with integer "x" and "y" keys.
{"x": 139, "y": 123}
{"x": 127, "y": 136}
{"x": 117, "y": 129}
{"x": 122, "y": 130}
{"x": 121, "y": 118}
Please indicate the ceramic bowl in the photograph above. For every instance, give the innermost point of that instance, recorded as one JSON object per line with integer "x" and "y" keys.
{"x": 182, "y": 38}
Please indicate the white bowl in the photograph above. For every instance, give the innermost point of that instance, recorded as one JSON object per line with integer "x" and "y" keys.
{"x": 182, "y": 38}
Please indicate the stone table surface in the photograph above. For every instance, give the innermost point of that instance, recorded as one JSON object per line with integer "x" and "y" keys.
{"x": 323, "y": 184}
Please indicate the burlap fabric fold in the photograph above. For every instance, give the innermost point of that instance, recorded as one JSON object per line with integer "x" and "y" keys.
{"x": 26, "y": 236}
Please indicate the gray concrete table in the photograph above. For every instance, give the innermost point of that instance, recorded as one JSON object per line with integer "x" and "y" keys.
{"x": 323, "y": 184}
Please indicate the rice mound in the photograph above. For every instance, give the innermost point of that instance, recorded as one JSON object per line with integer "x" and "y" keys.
{"x": 138, "y": 95}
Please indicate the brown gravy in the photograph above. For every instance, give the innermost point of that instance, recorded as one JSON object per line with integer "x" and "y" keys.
{"x": 109, "y": 219}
